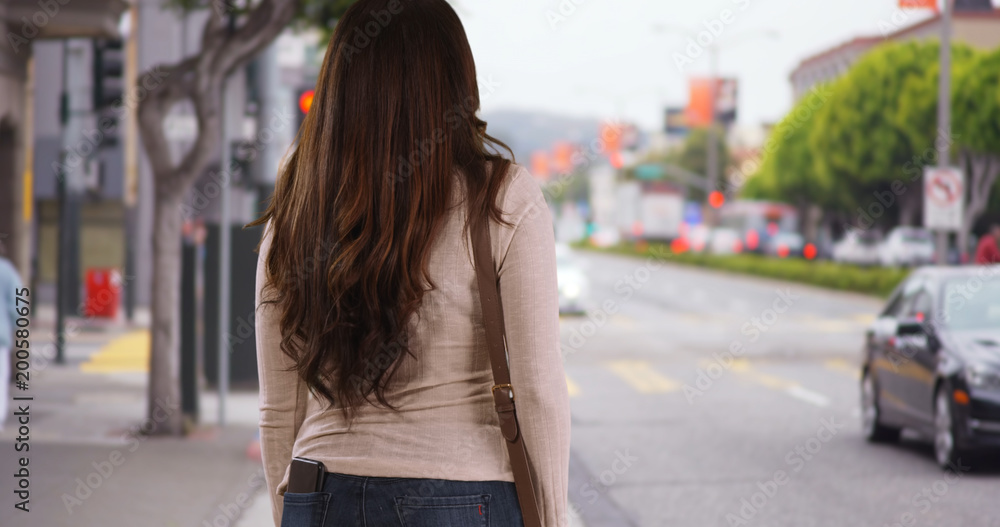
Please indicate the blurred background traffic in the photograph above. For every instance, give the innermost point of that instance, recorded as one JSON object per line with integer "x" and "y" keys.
{"x": 767, "y": 215}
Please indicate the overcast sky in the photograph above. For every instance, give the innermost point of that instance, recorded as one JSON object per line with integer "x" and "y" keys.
{"x": 607, "y": 59}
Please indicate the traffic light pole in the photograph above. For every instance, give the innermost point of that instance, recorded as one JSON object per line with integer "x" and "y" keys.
{"x": 944, "y": 115}
{"x": 74, "y": 106}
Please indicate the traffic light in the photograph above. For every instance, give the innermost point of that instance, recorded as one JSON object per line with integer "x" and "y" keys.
{"x": 109, "y": 67}
{"x": 303, "y": 102}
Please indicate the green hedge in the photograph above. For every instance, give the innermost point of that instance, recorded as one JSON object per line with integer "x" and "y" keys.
{"x": 871, "y": 280}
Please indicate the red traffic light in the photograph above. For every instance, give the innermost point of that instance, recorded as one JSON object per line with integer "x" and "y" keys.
{"x": 306, "y": 100}
{"x": 716, "y": 199}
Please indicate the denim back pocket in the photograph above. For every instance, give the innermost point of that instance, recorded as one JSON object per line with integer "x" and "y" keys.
{"x": 305, "y": 510}
{"x": 444, "y": 511}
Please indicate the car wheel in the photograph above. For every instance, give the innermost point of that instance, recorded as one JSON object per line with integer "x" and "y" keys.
{"x": 946, "y": 450}
{"x": 875, "y": 432}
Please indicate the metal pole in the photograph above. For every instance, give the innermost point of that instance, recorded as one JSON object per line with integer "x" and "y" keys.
{"x": 60, "y": 336}
{"x": 712, "y": 145}
{"x": 944, "y": 112}
{"x": 74, "y": 105}
{"x": 224, "y": 258}
{"x": 131, "y": 158}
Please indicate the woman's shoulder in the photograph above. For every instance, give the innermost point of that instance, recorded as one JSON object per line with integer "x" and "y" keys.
{"x": 519, "y": 190}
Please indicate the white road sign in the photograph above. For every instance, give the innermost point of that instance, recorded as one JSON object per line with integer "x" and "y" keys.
{"x": 944, "y": 198}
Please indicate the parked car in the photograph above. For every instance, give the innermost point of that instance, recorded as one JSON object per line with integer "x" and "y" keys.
{"x": 572, "y": 281}
{"x": 725, "y": 241}
{"x": 785, "y": 245}
{"x": 857, "y": 247}
{"x": 908, "y": 246}
{"x": 697, "y": 238}
{"x": 932, "y": 363}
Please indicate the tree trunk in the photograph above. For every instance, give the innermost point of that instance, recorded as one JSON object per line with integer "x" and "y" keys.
{"x": 981, "y": 171}
{"x": 164, "y": 408}
{"x": 910, "y": 203}
{"x": 198, "y": 78}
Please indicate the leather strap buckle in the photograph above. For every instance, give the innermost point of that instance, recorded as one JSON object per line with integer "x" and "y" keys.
{"x": 507, "y": 386}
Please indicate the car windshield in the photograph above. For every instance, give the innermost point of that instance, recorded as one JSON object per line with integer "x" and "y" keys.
{"x": 971, "y": 303}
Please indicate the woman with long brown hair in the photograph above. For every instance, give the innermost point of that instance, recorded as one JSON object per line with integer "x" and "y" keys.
{"x": 383, "y": 351}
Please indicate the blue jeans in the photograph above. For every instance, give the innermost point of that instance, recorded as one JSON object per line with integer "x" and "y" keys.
{"x": 361, "y": 501}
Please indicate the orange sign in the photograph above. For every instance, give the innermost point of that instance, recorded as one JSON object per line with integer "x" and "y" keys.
{"x": 699, "y": 111}
{"x": 563, "y": 158}
{"x": 540, "y": 165}
{"x": 918, "y": 4}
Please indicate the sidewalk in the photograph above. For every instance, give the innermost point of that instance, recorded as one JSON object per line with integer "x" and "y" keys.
{"x": 88, "y": 465}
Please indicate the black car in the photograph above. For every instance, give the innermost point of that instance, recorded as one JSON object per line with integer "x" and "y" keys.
{"x": 932, "y": 363}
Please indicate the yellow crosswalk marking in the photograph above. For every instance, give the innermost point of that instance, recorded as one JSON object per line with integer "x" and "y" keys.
{"x": 127, "y": 353}
{"x": 641, "y": 376}
{"x": 842, "y": 366}
{"x": 572, "y": 387}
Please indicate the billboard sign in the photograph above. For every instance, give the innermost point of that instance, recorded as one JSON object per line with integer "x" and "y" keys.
{"x": 711, "y": 100}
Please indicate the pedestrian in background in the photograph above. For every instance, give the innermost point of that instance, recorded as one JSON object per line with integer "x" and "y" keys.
{"x": 988, "y": 251}
{"x": 373, "y": 352}
{"x": 10, "y": 282}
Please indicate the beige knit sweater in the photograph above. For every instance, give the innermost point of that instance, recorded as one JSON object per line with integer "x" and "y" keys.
{"x": 446, "y": 426}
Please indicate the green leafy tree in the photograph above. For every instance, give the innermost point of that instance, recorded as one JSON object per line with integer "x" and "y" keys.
{"x": 788, "y": 164}
{"x": 867, "y": 130}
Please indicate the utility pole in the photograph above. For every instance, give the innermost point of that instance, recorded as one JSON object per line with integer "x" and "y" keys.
{"x": 712, "y": 140}
{"x": 944, "y": 113}
{"x": 225, "y": 252}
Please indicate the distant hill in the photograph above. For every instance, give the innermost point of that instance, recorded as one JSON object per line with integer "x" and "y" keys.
{"x": 528, "y": 131}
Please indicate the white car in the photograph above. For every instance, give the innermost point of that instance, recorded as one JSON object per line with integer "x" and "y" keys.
{"x": 857, "y": 247}
{"x": 725, "y": 241}
{"x": 908, "y": 246}
{"x": 573, "y": 283}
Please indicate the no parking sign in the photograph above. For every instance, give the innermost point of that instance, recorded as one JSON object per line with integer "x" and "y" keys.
{"x": 944, "y": 198}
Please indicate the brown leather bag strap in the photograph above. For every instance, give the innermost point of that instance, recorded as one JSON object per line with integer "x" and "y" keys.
{"x": 503, "y": 392}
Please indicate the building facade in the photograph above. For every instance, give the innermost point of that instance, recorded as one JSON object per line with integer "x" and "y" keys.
{"x": 974, "y": 22}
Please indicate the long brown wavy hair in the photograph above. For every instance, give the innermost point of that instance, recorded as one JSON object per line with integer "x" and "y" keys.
{"x": 360, "y": 199}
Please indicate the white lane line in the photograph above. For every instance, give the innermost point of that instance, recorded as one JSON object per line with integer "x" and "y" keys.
{"x": 808, "y": 396}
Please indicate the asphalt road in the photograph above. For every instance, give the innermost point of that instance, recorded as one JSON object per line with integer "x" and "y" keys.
{"x": 706, "y": 399}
